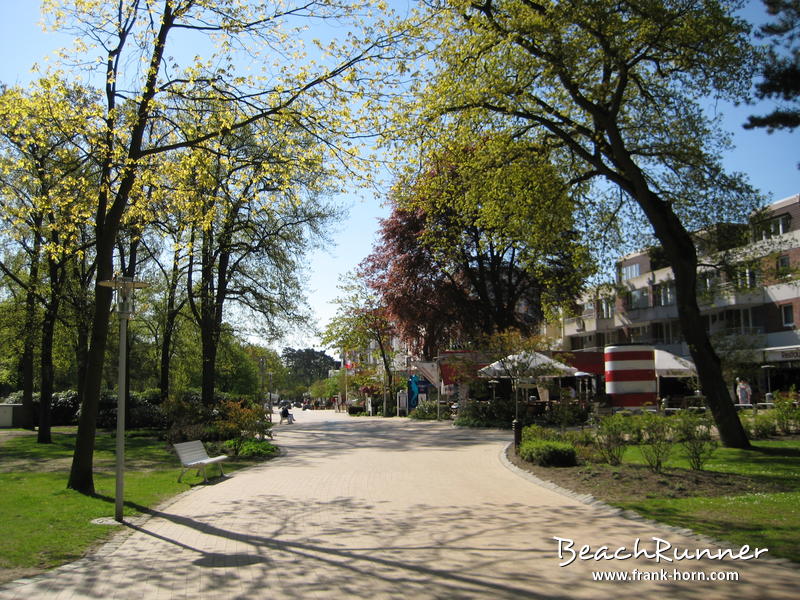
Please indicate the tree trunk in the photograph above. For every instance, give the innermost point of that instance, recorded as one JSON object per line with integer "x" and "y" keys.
{"x": 209, "y": 379}
{"x": 29, "y": 339}
{"x": 169, "y": 330}
{"x": 682, "y": 256}
{"x": 47, "y": 375}
{"x": 81, "y": 477}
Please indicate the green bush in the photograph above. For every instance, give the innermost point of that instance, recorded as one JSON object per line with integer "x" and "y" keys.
{"x": 486, "y": 413}
{"x": 548, "y": 453}
{"x": 693, "y": 433}
{"x": 763, "y": 425}
{"x": 611, "y": 438}
{"x": 787, "y": 415}
{"x": 250, "y": 448}
{"x": 564, "y": 414}
{"x": 64, "y": 408}
{"x": 427, "y": 411}
{"x": 537, "y": 432}
{"x": 655, "y": 432}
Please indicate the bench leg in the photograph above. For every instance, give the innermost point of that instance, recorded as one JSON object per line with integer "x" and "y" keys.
{"x": 181, "y": 475}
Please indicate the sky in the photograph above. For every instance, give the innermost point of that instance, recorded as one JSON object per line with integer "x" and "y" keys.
{"x": 769, "y": 160}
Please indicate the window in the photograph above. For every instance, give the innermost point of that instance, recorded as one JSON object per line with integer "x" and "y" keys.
{"x": 664, "y": 294}
{"x": 706, "y": 281}
{"x": 638, "y": 298}
{"x": 629, "y": 272}
{"x": 787, "y": 312}
{"x": 783, "y": 266}
{"x": 772, "y": 227}
{"x": 607, "y": 308}
{"x": 746, "y": 278}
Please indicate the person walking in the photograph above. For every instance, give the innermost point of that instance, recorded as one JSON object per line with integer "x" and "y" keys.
{"x": 744, "y": 392}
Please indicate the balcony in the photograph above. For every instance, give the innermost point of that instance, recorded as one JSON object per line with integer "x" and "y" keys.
{"x": 727, "y": 294}
{"x": 583, "y": 325}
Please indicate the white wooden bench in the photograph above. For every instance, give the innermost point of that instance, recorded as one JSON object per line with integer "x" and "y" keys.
{"x": 193, "y": 455}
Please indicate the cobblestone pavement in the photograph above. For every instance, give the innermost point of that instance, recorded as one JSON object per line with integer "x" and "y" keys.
{"x": 389, "y": 508}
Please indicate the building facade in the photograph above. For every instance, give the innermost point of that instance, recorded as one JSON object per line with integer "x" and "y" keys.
{"x": 748, "y": 291}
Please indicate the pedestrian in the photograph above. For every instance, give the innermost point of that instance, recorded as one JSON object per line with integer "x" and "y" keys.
{"x": 286, "y": 415}
{"x": 743, "y": 392}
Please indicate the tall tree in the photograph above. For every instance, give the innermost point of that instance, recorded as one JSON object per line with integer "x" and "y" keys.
{"x": 362, "y": 325}
{"x": 45, "y": 177}
{"x": 483, "y": 238}
{"x": 130, "y": 40}
{"x": 259, "y": 210}
{"x": 306, "y": 365}
{"x": 614, "y": 88}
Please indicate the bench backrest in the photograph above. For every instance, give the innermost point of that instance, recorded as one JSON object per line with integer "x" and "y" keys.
{"x": 190, "y": 452}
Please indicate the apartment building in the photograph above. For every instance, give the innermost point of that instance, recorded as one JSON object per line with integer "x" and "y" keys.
{"x": 750, "y": 300}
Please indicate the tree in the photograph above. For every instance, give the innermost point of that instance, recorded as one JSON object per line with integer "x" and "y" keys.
{"x": 361, "y": 325}
{"x": 780, "y": 72}
{"x": 145, "y": 91}
{"x": 257, "y": 212}
{"x": 423, "y": 301}
{"x": 614, "y": 90}
{"x": 44, "y": 175}
{"x": 307, "y": 366}
{"x": 483, "y": 240}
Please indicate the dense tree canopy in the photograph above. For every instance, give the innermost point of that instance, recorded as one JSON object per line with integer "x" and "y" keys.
{"x": 613, "y": 90}
{"x": 479, "y": 242}
{"x": 156, "y": 101}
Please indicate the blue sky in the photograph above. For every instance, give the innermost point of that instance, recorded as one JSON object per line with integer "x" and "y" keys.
{"x": 770, "y": 161}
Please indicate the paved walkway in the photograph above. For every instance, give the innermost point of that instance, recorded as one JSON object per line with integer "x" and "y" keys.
{"x": 385, "y": 508}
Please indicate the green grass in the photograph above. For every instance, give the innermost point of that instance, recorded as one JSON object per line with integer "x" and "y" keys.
{"x": 764, "y": 520}
{"x": 44, "y": 524}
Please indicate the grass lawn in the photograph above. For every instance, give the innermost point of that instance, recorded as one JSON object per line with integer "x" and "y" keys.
{"x": 44, "y": 524}
{"x": 742, "y": 496}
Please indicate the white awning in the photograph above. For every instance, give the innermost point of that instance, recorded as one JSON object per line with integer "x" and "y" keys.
{"x": 781, "y": 353}
{"x": 429, "y": 370}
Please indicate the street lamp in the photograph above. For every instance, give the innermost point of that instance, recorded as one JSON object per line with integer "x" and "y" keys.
{"x": 124, "y": 287}
{"x": 767, "y": 369}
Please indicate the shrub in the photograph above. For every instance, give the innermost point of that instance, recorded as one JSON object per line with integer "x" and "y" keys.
{"x": 763, "y": 426}
{"x": 486, "y": 413}
{"x": 241, "y": 421}
{"x": 537, "y": 432}
{"x": 185, "y": 415}
{"x": 548, "y": 453}
{"x": 611, "y": 438}
{"x": 250, "y": 448}
{"x": 656, "y": 436}
{"x": 787, "y": 414}
{"x": 144, "y": 410}
{"x": 427, "y": 411}
{"x": 564, "y": 414}
{"x": 13, "y": 398}
{"x": 693, "y": 433}
{"x": 64, "y": 408}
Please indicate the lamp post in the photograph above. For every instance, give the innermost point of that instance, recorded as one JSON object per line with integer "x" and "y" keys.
{"x": 269, "y": 390}
{"x": 767, "y": 369}
{"x": 124, "y": 287}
